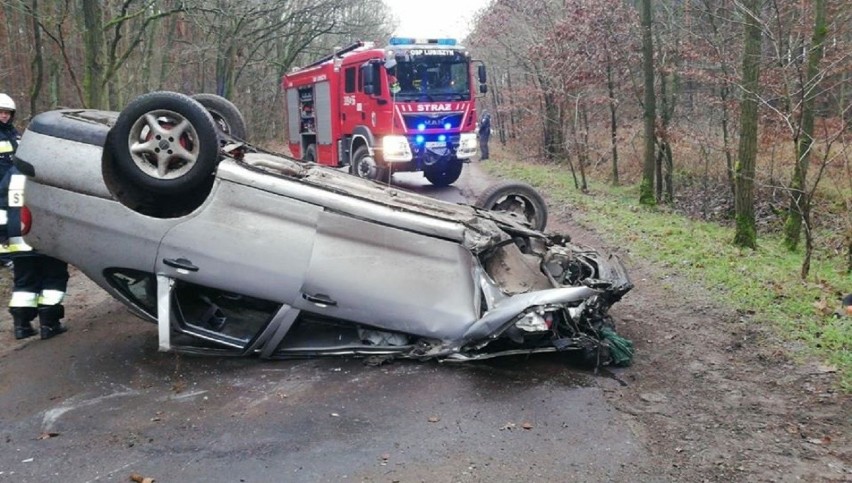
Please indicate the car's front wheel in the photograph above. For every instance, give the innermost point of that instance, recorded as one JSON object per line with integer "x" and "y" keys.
{"x": 165, "y": 143}
{"x": 364, "y": 165}
{"x": 520, "y": 199}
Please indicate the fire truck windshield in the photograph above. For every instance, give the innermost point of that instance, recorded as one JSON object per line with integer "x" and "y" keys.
{"x": 432, "y": 78}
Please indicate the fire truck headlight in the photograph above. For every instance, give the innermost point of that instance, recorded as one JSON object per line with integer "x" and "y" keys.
{"x": 467, "y": 145}
{"x": 396, "y": 149}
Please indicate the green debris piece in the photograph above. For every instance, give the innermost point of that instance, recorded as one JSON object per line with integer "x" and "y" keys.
{"x": 620, "y": 348}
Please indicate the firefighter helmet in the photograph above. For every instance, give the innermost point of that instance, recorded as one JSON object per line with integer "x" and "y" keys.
{"x": 6, "y": 103}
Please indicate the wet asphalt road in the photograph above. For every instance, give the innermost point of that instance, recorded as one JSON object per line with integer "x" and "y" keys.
{"x": 100, "y": 403}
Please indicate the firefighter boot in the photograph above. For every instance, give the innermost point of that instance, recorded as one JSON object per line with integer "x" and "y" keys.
{"x": 22, "y": 317}
{"x": 48, "y": 317}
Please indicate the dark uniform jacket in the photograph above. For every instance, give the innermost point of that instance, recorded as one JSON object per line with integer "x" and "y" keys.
{"x": 11, "y": 193}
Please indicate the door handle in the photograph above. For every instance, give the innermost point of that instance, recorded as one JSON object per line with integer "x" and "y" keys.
{"x": 180, "y": 264}
{"x": 320, "y": 299}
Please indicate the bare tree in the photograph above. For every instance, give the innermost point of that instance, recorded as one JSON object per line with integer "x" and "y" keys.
{"x": 646, "y": 188}
{"x": 746, "y": 233}
{"x": 798, "y": 205}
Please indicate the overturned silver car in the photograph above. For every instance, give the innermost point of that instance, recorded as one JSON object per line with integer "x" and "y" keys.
{"x": 232, "y": 250}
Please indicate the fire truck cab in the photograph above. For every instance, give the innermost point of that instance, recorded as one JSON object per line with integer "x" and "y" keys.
{"x": 407, "y": 107}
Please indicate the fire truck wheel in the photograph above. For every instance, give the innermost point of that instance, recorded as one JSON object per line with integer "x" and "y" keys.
{"x": 165, "y": 143}
{"x": 444, "y": 174}
{"x": 310, "y": 153}
{"x": 365, "y": 166}
{"x": 517, "y": 198}
{"x": 228, "y": 118}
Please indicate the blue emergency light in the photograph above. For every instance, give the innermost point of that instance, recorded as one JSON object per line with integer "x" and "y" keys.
{"x": 413, "y": 41}
{"x": 442, "y": 138}
{"x": 419, "y": 139}
{"x": 421, "y": 127}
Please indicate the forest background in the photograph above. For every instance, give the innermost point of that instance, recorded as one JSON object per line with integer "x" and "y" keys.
{"x": 732, "y": 112}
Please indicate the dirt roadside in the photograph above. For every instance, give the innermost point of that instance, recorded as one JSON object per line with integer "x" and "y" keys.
{"x": 711, "y": 394}
{"x": 714, "y": 395}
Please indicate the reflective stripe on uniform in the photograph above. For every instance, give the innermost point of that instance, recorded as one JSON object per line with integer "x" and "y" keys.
{"x": 6, "y": 147}
{"x": 17, "y": 182}
{"x": 51, "y": 297}
{"x": 23, "y": 299}
{"x": 3, "y": 218}
{"x": 15, "y": 244}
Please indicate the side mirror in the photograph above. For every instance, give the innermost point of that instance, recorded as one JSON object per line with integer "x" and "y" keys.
{"x": 481, "y": 74}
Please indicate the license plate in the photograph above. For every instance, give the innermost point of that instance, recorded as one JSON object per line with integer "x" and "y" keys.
{"x": 435, "y": 144}
{"x": 16, "y": 190}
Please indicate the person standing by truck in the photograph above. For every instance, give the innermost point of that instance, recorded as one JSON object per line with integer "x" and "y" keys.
{"x": 484, "y": 135}
{"x": 40, "y": 281}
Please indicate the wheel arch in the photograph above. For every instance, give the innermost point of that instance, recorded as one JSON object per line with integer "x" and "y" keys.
{"x": 362, "y": 136}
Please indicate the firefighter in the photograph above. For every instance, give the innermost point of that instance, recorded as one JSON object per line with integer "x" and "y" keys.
{"x": 8, "y": 145}
{"x": 40, "y": 281}
{"x": 484, "y": 135}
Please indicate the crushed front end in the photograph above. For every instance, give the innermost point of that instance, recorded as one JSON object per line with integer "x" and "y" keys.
{"x": 546, "y": 294}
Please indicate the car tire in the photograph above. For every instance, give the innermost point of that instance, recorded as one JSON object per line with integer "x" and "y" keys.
{"x": 226, "y": 115}
{"x": 310, "y": 154}
{"x": 152, "y": 156}
{"x": 444, "y": 174}
{"x": 365, "y": 166}
{"x": 518, "y": 198}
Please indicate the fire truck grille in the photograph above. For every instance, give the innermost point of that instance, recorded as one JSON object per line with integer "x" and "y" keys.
{"x": 420, "y": 122}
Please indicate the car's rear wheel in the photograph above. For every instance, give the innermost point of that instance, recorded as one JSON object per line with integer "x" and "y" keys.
{"x": 226, "y": 115}
{"x": 444, "y": 174}
{"x": 364, "y": 165}
{"x": 165, "y": 143}
{"x": 520, "y": 199}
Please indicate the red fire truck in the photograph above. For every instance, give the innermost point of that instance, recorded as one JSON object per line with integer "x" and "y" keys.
{"x": 406, "y": 107}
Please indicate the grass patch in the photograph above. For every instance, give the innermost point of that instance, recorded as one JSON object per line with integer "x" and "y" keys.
{"x": 764, "y": 281}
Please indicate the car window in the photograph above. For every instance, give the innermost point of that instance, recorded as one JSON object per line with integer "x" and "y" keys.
{"x": 227, "y": 317}
{"x": 349, "y": 80}
{"x": 214, "y": 315}
{"x": 139, "y": 287}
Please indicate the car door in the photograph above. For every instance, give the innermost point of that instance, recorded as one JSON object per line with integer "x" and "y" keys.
{"x": 390, "y": 278}
{"x": 237, "y": 261}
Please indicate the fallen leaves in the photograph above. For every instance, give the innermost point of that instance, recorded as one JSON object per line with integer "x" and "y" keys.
{"x": 820, "y": 441}
{"x": 137, "y": 478}
{"x": 510, "y": 426}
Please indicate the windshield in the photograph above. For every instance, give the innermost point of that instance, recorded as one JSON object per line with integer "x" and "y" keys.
{"x": 431, "y": 78}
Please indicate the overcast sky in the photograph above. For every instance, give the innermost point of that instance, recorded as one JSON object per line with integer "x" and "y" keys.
{"x": 434, "y": 18}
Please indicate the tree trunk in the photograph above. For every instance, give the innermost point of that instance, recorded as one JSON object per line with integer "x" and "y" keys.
{"x": 798, "y": 185}
{"x": 93, "y": 42}
{"x": 746, "y": 233}
{"x": 37, "y": 64}
{"x": 665, "y": 177}
{"x": 646, "y": 189}
{"x": 512, "y": 122}
{"x": 613, "y": 125}
{"x": 554, "y": 140}
{"x": 585, "y": 146}
{"x": 726, "y": 138}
